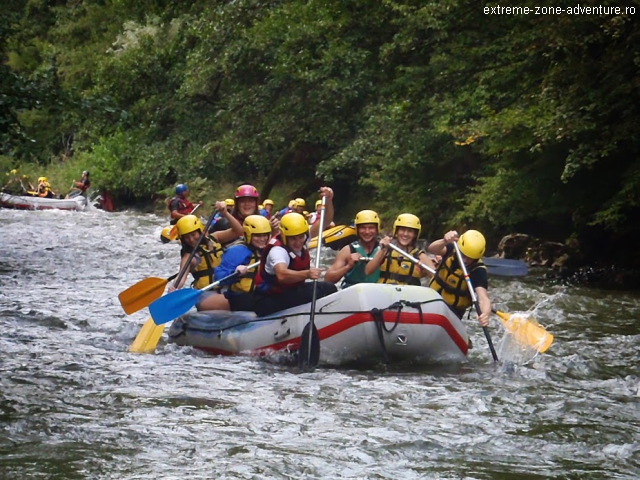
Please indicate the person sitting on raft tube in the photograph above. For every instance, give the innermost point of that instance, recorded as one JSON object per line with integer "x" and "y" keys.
{"x": 348, "y": 263}
{"x": 44, "y": 189}
{"x": 239, "y": 296}
{"x": 449, "y": 279}
{"x": 209, "y": 253}
{"x": 285, "y": 265}
{"x": 179, "y": 206}
{"x": 246, "y": 203}
{"x": 395, "y": 268}
{"x": 81, "y": 187}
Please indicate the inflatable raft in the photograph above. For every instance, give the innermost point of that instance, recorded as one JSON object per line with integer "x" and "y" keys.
{"x": 38, "y": 203}
{"x": 364, "y": 323}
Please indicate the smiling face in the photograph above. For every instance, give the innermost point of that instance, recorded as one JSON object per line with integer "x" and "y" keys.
{"x": 405, "y": 236}
{"x": 296, "y": 242}
{"x": 191, "y": 238}
{"x": 367, "y": 232}
{"x": 246, "y": 206}
{"x": 260, "y": 240}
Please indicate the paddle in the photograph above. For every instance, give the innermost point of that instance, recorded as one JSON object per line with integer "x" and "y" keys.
{"x": 173, "y": 233}
{"x": 474, "y": 299}
{"x": 506, "y": 267}
{"x": 178, "y": 303}
{"x": 150, "y": 333}
{"x": 309, "y": 353}
{"x": 140, "y": 295}
{"x": 526, "y": 331}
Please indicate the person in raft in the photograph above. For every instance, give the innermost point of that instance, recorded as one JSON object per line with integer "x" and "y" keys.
{"x": 348, "y": 263}
{"x": 179, "y": 206}
{"x": 239, "y": 295}
{"x": 209, "y": 252}
{"x": 449, "y": 279}
{"x": 80, "y": 187}
{"x": 395, "y": 268}
{"x": 285, "y": 265}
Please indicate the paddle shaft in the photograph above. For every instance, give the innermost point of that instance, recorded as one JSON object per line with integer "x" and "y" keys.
{"x": 218, "y": 282}
{"x": 412, "y": 258}
{"x": 187, "y": 265}
{"x": 474, "y": 299}
{"x": 314, "y": 293}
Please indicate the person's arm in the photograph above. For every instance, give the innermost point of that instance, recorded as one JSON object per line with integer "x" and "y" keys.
{"x": 343, "y": 262}
{"x": 235, "y": 227}
{"x": 285, "y": 275}
{"x": 231, "y": 260}
{"x": 426, "y": 259}
{"x": 485, "y": 305}
{"x": 379, "y": 257}
{"x": 328, "y": 212}
{"x": 439, "y": 247}
{"x": 183, "y": 280}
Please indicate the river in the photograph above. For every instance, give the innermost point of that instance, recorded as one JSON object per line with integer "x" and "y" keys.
{"x": 75, "y": 404}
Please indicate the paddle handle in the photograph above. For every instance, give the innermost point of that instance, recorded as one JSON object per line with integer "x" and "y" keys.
{"x": 474, "y": 299}
{"x": 186, "y": 266}
{"x": 218, "y": 282}
{"x": 412, "y": 259}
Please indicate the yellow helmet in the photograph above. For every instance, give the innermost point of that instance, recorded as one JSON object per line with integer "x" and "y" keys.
{"x": 268, "y": 201}
{"x": 24, "y": 175}
{"x": 42, "y": 179}
{"x": 292, "y": 203}
{"x": 293, "y": 224}
{"x": 261, "y": 207}
{"x": 188, "y": 224}
{"x": 300, "y": 202}
{"x": 14, "y": 172}
{"x": 472, "y": 244}
{"x": 407, "y": 220}
{"x": 367, "y": 216}
{"x": 255, "y": 224}
{"x": 230, "y": 202}
{"x": 318, "y": 202}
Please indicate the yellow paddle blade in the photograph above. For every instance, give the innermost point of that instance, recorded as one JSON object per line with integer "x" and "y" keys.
{"x": 148, "y": 337}
{"x": 141, "y": 294}
{"x": 527, "y": 331}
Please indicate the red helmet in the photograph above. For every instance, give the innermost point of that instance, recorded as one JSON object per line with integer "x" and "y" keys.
{"x": 247, "y": 191}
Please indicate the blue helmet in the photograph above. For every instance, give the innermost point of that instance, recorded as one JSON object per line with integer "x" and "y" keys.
{"x": 180, "y": 189}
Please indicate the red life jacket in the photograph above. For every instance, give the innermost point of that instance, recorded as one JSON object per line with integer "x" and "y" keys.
{"x": 185, "y": 207}
{"x": 267, "y": 283}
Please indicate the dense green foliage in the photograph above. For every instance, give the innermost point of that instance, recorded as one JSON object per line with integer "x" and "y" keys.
{"x": 501, "y": 122}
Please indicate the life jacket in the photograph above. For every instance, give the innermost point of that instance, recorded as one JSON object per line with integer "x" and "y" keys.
{"x": 267, "y": 283}
{"x": 85, "y": 185}
{"x": 449, "y": 282}
{"x": 185, "y": 207}
{"x": 209, "y": 260}
{"x": 44, "y": 190}
{"x": 396, "y": 269}
{"x": 356, "y": 274}
{"x": 246, "y": 283}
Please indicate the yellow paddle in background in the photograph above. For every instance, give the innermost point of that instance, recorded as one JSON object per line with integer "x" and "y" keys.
{"x": 526, "y": 331}
{"x": 140, "y": 295}
{"x": 150, "y": 333}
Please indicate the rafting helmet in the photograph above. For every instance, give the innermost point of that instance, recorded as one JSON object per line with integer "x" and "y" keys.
{"x": 268, "y": 201}
{"x": 472, "y": 244}
{"x": 293, "y": 224}
{"x": 230, "y": 202}
{"x": 42, "y": 179}
{"x": 367, "y": 216}
{"x": 300, "y": 202}
{"x": 188, "y": 224}
{"x": 14, "y": 172}
{"x": 407, "y": 220}
{"x": 85, "y": 172}
{"x": 318, "y": 202}
{"x": 255, "y": 224}
{"x": 180, "y": 189}
{"x": 246, "y": 191}
{"x": 165, "y": 235}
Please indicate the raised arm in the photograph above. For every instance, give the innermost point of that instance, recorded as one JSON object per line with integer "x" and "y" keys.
{"x": 328, "y": 212}
{"x": 439, "y": 247}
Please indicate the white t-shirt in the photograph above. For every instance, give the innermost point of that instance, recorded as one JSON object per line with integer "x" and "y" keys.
{"x": 278, "y": 255}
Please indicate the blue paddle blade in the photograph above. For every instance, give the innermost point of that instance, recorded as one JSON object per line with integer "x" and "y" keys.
{"x": 506, "y": 267}
{"x": 173, "y": 305}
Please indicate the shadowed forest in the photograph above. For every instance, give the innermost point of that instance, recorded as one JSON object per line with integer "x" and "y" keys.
{"x": 504, "y": 123}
